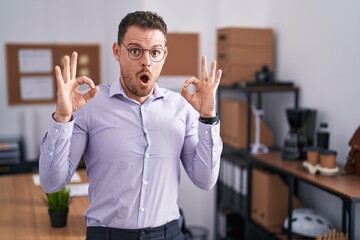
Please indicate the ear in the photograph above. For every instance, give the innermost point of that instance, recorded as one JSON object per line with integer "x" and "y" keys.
{"x": 116, "y": 51}
{"x": 166, "y": 53}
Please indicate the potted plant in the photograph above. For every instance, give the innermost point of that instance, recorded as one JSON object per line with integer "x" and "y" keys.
{"x": 58, "y": 206}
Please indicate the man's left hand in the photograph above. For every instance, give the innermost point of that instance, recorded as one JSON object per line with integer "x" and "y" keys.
{"x": 203, "y": 99}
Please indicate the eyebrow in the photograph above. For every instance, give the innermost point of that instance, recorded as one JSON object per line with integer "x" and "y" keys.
{"x": 138, "y": 45}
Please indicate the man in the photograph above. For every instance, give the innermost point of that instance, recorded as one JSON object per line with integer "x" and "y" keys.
{"x": 133, "y": 135}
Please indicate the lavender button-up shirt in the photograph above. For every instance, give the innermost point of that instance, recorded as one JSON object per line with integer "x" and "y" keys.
{"x": 133, "y": 153}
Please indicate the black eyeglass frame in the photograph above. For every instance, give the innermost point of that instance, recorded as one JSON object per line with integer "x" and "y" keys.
{"x": 142, "y": 52}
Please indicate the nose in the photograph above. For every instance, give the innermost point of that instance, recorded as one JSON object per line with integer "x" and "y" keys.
{"x": 145, "y": 59}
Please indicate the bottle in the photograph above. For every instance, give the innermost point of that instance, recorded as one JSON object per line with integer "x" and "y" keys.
{"x": 323, "y": 136}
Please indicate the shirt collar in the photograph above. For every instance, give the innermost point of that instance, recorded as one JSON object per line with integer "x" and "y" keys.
{"x": 117, "y": 89}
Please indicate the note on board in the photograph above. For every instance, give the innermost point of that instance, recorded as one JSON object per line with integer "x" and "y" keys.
{"x": 36, "y": 87}
{"x": 35, "y": 60}
{"x": 30, "y": 60}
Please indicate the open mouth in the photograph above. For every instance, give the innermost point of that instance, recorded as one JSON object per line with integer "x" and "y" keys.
{"x": 144, "y": 78}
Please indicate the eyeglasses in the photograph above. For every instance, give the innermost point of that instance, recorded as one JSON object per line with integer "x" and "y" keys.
{"x": 156, "y": 54}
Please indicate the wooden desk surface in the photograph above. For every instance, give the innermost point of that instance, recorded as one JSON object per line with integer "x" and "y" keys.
{"x": 24, "y": 215}
{"x": 343, "y": 185}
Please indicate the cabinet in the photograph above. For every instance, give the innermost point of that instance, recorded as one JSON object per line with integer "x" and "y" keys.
{"x": 233, "y": 202}
{"x": 234, "y": 185}
{"x": 233, "y": 205}
{"x": 346, "y": 187}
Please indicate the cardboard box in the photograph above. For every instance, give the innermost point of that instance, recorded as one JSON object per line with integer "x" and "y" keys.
{"x": 246, "y": 55}
{"x": 233, "y": 73}
{"x": 184, "y": 55}
{"x": 243, "y": 51}
{"x": 234, "y": 125}
{"x": 245, "y": 36}
{"x": 269, "y": 199}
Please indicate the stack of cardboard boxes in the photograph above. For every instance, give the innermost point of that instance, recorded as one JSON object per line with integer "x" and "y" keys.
{"x": 241, "y": 53}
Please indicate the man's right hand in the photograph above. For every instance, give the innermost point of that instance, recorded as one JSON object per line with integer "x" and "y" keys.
{"x": 69, "y": 98}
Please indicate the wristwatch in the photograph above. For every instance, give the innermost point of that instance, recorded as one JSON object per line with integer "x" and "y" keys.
{"x": 211, "y": 121}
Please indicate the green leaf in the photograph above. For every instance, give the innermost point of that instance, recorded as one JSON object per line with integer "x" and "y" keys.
{"x": 58, "y": 201}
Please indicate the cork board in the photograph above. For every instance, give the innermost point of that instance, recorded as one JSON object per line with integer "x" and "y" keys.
{"x": 183, "y": 55}
{"x": 30, "y": 69}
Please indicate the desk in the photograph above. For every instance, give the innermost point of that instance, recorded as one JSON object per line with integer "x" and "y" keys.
{"x": 346, "y": 187}
{"x": 24, "y": 215}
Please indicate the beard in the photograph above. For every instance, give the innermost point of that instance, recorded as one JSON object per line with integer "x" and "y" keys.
{"x": 133, "y": 83}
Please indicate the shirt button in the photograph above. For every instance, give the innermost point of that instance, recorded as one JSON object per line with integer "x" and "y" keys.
{"x": 206, "y": 132}
{"x": 65, "y": 129}
{"x": 146, "y": 131}
{"x": 142, "y": 209}
{"x": 56, "y": 130}
{"x": 51, "y": 153}
{"x": 146, "y": 183}
{"x": 147, "y": 155}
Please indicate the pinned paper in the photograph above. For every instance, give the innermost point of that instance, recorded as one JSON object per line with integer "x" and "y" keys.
{"x": 84, "y": 59}
{"x": 35, "y": 60}
{"x": 36, "y": 88}
{"x": 84, "y": 71}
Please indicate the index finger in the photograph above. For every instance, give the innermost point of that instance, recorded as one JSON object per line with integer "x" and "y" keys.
{"x": 86, "y": 80}
{"x": 212, "y": 71}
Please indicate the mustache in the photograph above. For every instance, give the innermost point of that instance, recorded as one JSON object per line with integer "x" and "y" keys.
{"x": 145, "y": 71}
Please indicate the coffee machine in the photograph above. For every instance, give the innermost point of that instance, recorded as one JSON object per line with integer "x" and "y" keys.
{"x": 301, "y": 134}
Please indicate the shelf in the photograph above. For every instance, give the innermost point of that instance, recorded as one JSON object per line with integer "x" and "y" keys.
{"x": 261, "y": 88}
{"x": 21, "y": 167}
{"x": 346, "y": 187}
{"x": 257, "y": 91}
{"x": 343, "y": 185}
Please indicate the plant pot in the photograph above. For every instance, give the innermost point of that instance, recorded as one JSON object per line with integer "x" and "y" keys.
{"x": 58, "y": 219}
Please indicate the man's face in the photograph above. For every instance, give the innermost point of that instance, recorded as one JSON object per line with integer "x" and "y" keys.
{"x": 139, "y": 76}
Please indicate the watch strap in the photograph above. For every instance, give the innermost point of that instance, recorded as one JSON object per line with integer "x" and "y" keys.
{"x": 210, "y": 121}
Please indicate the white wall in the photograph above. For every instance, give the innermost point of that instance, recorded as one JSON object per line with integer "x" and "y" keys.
{"x": 316, "y": 47}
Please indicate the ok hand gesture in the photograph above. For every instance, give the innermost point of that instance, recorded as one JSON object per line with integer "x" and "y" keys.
{"x": 204, "y": 98}
{"x": 69, "y": 98}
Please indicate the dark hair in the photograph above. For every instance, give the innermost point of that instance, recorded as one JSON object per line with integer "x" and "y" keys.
{"x": 142, "y": 19}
